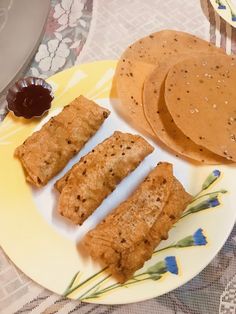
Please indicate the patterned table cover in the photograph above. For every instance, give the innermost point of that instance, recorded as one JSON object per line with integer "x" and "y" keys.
{"x": 80, "y": 31}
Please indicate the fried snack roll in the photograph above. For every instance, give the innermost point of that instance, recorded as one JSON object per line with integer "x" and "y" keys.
{"x": 128, "y": 235}
{"x": 96, "y": 175}
{"x": 47, "y": 151}
{"x": 135, "y": 256}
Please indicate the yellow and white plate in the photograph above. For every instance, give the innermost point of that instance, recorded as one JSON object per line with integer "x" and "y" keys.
{"x": 43, "y": 245}
{"x": 226, "y": 9}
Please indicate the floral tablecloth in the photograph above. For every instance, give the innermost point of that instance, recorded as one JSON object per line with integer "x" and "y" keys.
{"x": 79, "y": 31}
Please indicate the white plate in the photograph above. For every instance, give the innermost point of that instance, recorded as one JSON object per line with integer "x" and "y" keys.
{"x": 43, "y": 244}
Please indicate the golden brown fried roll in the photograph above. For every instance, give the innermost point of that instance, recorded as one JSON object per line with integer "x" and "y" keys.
{"x": 128, "y": 236}
{"x": 96, "y": 175}
{"x": 47, "y": 151}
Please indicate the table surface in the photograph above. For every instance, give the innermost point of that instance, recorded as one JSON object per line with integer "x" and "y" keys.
{"x": 79, "y": 31}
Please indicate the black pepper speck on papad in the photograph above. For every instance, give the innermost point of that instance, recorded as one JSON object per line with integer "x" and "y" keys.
{"x": 161, "y": 120}
{"x": 200, "y": 94}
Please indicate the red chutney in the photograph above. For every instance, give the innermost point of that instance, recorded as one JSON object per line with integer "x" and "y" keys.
{"x": 30, "y": 97}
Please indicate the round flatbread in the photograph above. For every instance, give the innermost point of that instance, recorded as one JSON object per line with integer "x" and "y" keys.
{"x": 140, "y": 59}
{"x": 200, "y": 95}
{"x": 129, "y": 79}
{"x": 162, "y": 122}
{"x": 166, "y": 43}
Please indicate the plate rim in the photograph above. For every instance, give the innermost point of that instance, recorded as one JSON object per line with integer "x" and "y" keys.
{"x": 225, "y": 11}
